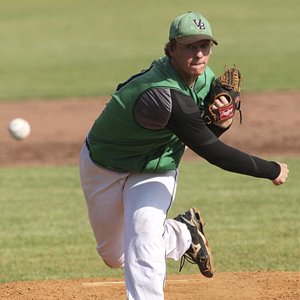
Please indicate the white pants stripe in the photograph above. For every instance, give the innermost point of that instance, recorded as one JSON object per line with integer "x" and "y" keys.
{"x": 128, "y": 215}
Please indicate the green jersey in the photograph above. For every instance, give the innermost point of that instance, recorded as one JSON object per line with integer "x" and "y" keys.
{"x": 119, "y": 141}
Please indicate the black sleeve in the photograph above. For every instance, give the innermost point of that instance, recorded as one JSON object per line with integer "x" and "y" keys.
{"x": 217, "y": 130}
{"x": 186, "y": 122}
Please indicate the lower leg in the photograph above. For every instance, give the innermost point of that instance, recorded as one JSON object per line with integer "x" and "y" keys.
{"x": 147, "y": 198}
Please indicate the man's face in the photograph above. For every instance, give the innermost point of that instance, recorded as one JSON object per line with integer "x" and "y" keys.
{"x": 191, "y": 60}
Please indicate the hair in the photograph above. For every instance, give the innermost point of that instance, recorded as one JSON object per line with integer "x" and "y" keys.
{"x": 170, "y": 46}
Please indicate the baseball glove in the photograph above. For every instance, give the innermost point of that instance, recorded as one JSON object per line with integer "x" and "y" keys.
{"x": 227, "y": 85}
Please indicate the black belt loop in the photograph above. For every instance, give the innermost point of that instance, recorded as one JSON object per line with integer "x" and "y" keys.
{"x": 87, "y": 144}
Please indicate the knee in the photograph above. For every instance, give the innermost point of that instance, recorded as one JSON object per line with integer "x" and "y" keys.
{"x": 148, "y": 223}
{"x": 112, "y": 261}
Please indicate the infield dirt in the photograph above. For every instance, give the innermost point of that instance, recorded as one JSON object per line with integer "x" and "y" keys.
{"x": 270, "y": 128}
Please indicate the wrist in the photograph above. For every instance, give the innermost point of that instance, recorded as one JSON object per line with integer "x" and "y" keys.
{"x": 224, "y": 124}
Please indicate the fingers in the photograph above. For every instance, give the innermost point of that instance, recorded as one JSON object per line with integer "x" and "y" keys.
{"x": 284, "y": 171}
{"x": 220, "y": 102}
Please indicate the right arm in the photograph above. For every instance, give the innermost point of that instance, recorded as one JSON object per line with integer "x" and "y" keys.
{"x": 186, "y": 122}
{"x": 160, "y": 108}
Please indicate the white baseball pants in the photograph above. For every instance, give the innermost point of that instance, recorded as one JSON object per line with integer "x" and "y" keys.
{"x": 128, "y": 214}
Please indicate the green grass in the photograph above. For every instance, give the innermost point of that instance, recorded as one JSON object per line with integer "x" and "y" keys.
{"x": 72, "y": 48}
{"x": 44, "y": 230}
{"x": 68, "y": 48}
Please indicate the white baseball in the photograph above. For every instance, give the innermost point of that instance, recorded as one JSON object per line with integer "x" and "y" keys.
{"x": 19, "y": 128}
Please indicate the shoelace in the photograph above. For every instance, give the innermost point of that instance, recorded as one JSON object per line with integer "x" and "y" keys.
{"x": 183, "y": 259}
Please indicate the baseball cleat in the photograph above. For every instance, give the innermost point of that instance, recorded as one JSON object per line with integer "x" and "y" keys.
{"x": 199, "y": 252}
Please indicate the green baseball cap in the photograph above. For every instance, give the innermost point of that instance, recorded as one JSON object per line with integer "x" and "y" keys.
{"x": 191, "y": 27}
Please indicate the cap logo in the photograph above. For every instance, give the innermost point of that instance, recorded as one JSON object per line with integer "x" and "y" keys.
{"x": 200, "y": 24}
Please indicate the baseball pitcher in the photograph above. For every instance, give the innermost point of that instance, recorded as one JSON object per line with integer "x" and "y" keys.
{"x": 129, "y": 161}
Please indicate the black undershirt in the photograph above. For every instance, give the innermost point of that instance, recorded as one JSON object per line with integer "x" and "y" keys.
{"x": 187, "y": 124}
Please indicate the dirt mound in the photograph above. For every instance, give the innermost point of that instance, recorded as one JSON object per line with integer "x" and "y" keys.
{"x": 223, "y": 286}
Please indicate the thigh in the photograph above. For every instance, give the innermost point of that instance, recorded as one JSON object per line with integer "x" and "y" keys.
{"x": 147, "y": 198}
{"x": 103, "y": 190}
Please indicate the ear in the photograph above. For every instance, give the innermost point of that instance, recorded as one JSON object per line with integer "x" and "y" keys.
{"x": 172, "y": 49}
